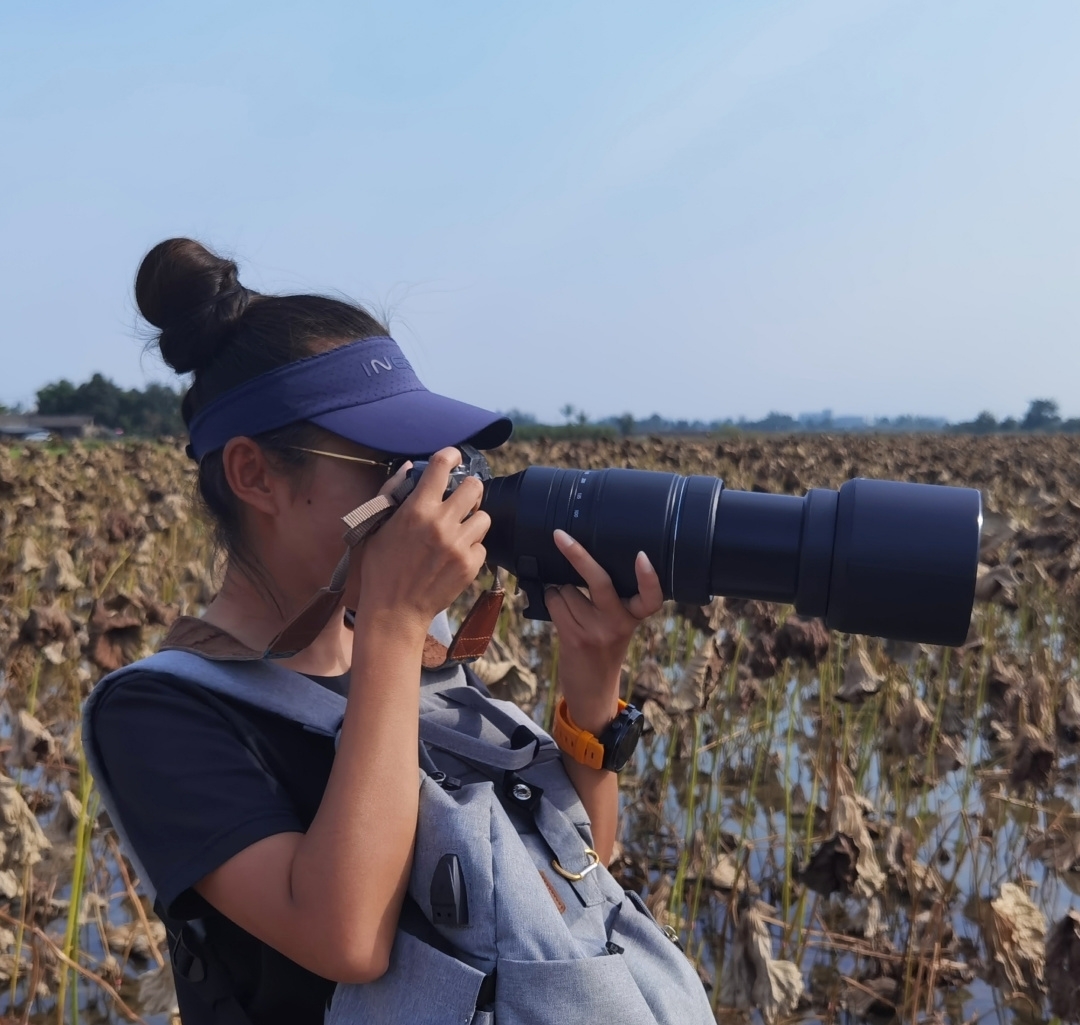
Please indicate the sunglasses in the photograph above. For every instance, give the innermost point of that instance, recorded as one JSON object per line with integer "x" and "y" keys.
{"x": 390, "y": 466}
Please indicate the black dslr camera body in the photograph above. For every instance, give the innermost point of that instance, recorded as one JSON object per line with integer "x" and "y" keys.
{"x": 884, "y": 558}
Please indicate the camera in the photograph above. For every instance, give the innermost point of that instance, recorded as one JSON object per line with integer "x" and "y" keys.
{"x": 885, "y": 558}
{"x": 473, "y": 464}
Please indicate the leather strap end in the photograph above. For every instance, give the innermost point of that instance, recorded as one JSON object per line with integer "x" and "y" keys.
{"x": 474, "y": 634}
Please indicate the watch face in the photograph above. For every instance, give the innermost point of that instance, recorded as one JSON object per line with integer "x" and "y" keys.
{"x": 621, "y": 738}
{"x": 626, "y": 745}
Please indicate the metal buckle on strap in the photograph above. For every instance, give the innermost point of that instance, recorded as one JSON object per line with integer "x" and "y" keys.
{"x": 576, "y": 877}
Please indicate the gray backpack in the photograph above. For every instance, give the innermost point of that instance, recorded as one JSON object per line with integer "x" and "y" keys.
{"x": 509, "y": 918}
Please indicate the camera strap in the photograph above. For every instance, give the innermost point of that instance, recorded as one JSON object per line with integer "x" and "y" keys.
{"x": 310, "y": 621}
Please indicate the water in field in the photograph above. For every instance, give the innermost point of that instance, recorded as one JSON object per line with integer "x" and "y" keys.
{"x": 838, "y": 829}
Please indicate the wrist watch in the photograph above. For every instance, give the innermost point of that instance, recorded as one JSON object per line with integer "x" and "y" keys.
{"x": 611, "y": 750}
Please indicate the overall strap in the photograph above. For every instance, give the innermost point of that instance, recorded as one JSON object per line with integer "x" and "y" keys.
{"x": 101, "y": 782}
{"x": 437, "y": 729}
{"x": 260, "y": 683}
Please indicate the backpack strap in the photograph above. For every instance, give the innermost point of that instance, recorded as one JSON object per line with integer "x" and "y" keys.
{"x": 101, "y": 782}
{"x": 437, "y": 730}
{"x": 192, "y": 960}
{"x": 260, "y": 683}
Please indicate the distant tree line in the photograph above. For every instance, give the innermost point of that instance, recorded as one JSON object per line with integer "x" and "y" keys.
{"x": 1043, "y": 415}
{"x": 155, "y": 410}
{"x": 152, "y": 411}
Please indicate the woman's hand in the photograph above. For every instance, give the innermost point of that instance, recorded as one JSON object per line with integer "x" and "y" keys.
{"x": 429, "y": 550}
{"x": 595, "y": 631}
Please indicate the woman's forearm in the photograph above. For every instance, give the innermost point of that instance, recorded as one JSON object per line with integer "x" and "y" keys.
{"x": 599, "y": 793}
{"x": 351, "y": 869}
{"x": 597, "y": 788}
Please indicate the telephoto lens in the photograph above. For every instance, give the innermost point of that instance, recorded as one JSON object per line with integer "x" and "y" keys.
{"x": 884, "y": 558}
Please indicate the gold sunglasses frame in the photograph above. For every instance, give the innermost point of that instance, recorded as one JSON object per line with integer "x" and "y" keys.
{"x": 389, "y": 465}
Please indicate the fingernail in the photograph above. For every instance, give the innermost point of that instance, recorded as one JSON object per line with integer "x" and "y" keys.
{"x": 563, "y": 539}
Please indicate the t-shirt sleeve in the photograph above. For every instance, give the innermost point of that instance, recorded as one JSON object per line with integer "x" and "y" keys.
{"x": 188, "y": 790}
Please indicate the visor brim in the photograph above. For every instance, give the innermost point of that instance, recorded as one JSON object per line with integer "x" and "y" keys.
{"x": 417, "y": 423}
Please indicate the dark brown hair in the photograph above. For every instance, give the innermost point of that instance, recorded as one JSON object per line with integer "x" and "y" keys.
{"x": 223, "y": 334}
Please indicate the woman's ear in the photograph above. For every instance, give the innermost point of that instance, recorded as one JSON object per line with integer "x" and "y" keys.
{"x": 251, "y": 476}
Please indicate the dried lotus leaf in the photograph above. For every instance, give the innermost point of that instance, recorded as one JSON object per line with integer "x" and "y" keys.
{"x": 802, "y": 640}
{"x": 21, "y": 838}
{"x": 759, "y": 981}
{"x": 506, "y": 677}
{"x": 30, "y": 559}
{"x": 1031, "y": 759}
{"x": 57, "y": 518}
{"x": 31, "y": 742}
{"x": 60, "y": 574}
{"x": 157, "y": 991}
{"x": 46, "y": 624}
{"x": 1015, "y": 934}
{"x": 132, "y": 938}
{"x": 698, "y": 679}
{"x": 861, "y": 679}
{"x": 650, "y": 683}
{"x": 115, "y": 638}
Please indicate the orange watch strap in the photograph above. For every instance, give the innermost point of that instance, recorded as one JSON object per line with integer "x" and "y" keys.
{"x": 579, "y": 744}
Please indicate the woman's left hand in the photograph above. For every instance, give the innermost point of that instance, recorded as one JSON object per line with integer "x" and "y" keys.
{"x": 595, "y": 631}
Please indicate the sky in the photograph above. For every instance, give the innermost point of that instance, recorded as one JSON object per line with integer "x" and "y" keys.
{"x": 699, "y": 209}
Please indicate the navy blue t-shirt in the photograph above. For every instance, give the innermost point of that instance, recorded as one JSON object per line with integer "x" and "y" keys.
{"x": 198, "y": 777}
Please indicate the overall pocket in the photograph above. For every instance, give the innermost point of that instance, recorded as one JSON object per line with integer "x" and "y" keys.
{"x": 458, "y": 822}
{"x": 664, "y": 976}
{"x": 585, "y": 989}
{"x": 422, "y": 986}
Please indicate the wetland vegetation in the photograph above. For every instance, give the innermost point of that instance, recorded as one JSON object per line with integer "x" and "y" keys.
{"x": 837, "y": 828}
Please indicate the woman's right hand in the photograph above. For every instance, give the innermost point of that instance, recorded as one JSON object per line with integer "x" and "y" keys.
{"x": 429, "y": 550}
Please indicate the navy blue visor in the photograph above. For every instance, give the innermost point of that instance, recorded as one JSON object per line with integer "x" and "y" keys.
{"x": 365, "y": 391}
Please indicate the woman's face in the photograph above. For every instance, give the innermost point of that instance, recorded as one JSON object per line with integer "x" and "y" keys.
{"x": 310, "y": 521}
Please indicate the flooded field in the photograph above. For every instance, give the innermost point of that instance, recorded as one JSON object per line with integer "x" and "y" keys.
{"x": 838, "y": 828}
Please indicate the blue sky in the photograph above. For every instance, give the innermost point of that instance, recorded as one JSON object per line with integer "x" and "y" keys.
{"x": 698, "y": 209}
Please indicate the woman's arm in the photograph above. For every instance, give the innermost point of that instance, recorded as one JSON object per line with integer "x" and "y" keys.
{"x": 599, "y": 793}
{"x": 329, "y": 898}
{"x": 594, "y": 633}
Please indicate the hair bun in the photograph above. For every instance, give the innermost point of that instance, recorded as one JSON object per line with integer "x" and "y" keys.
{"x": 195, "y": 299}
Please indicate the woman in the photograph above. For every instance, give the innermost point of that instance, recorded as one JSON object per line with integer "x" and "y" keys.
{"x": 296, "y": 858}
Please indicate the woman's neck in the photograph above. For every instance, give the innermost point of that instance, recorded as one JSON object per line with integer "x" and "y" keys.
{"x": 253, "y": 616}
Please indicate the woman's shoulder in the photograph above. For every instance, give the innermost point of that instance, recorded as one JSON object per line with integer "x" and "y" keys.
{"x": 139, "y": 688}
{"x": 145, "y": 702}
{"x": 144, "y": 712}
